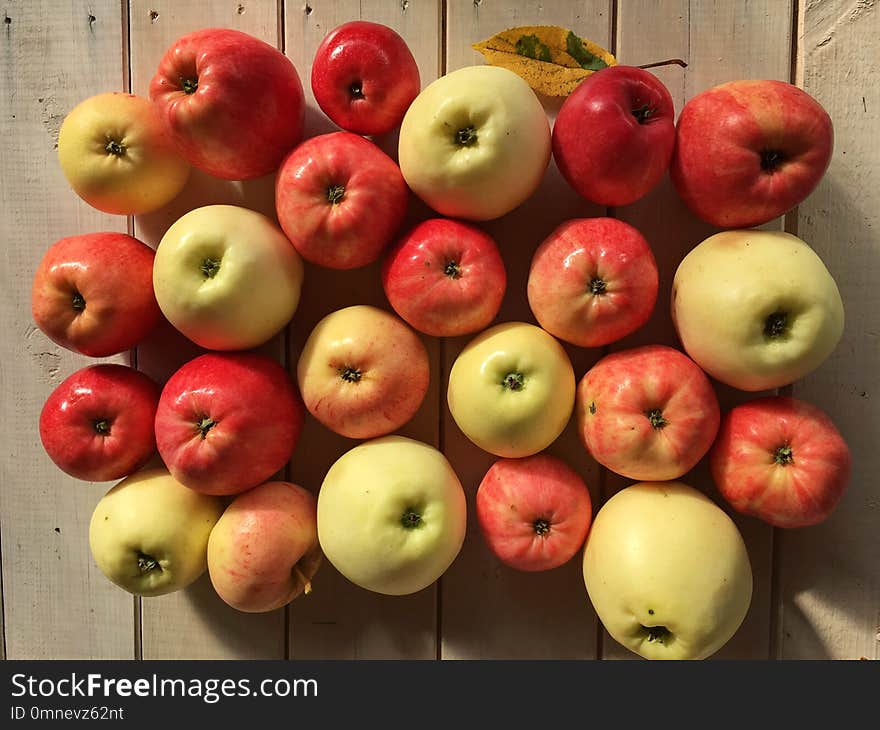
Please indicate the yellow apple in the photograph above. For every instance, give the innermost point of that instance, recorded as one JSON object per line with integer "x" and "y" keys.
{"x": 227, "y": 277}
{"x": 511, "y": 390}
{"x": 149, "y": 533}
{"x": 391, "y": 515}
{"x": 756, "y": 309}
{"x": 116, "y": 155}
{"x": 475, "y": 143}
{"x": 667, "y": 571}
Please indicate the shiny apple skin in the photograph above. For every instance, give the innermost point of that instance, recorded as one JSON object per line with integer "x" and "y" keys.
{"x": 113, "y": 275}
{"x": 97, "y": 425}
{"x": 445, "y": 278}
{"x": 257, "y": 417}
{"x": 362, "y": 372}
{"x": 615, "y": 402}
{"x": 593, "y": 281}
{"x": 534, "y": 513}
{"x": 263, "y": 552}
{"x": 721, "y": 134}
{"x": 602, "y": 149}
{"x": 364, "y": 77}
{"x": 353, "y": 231}
{"x": 781, "y": 460}
{"x": 248, "y": 108}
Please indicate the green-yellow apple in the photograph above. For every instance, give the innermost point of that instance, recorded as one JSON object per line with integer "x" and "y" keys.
{"x": 511, "y": 390}
{"x": 475, "y": 143}
{"x": 264, "y": 550}
{"x": 117, "y": 156}
{"x": 227, "y": 277}
{"x": 391, "y": 515}
{"x": 149, "y": 533}
{"x": 756, "y": 309}
{"x": 667, "y": 571}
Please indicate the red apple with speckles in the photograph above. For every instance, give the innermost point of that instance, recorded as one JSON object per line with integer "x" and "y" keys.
{"x": 93, "y": 293}
{"x": 648, "y": 413}
{"x": 227, "y": 422}
{"x": 534, "y": 513}
{"x": 97, "y": 425}
{"x": 340, "y": 200}
{"x": 593, "y": 281}
{"x": 445, "y": 278}
{"x": 614, "y": 135}
{"x": 263, "y": 552}
{"x": 364, "y": 77}
{"x": 781, "y": 460}
{"x": 233, "y": 104}
{"x": 749, "y": 151}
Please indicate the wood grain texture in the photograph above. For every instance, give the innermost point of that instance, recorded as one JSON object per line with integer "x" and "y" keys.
{"x": 338, "y": 619}
{"x": 195, "y": 623}
{"x": 828, "y": 575}
{"x": 56, "y": 602}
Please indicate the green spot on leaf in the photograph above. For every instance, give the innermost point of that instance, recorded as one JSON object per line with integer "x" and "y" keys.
{"x": 579, "y": 53}
{"x": 531, "y": 46}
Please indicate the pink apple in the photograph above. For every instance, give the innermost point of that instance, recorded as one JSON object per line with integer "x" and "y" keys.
{"x": 749, "y": 151}
{"x": 340, "y": 200}
{"x": 534, "y": 513}
{"x": 781, "y": 460}
{"x": 648, "y": 413}
{"x": 362, "y": 372}
{"x": 364, "y": 77}
{"x": 593, "y": 281}
{"x": 93, "y": 293}
{"x": 227, "y": 422}
{"x": 263, "y": 552}
{"x": 97, "y": 425}
{"x": 613, "y": 137}
{"x": 445, "y": 278}
{"x": 233, "y": 104}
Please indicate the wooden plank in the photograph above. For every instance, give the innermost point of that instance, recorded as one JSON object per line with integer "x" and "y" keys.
{"x": 721, "y": 42}
{"x": 489, "y": 610}
{"x": 340, "y": 620}
{"x": 829, "y": 584}
{"x": 196, "y": 623}
{"x": 56, "y": 601}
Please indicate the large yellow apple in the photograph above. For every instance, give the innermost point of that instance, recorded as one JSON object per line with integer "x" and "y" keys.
{"x": 756, "y": 309}
{"x": 149, "y": 533}
{"x": 667, "y": 571}
{"x": 117, "y": 156}
{"x": 475, "y": 143}
{"x": 391, "y": 515}
{"x": 227, "y": 277}
{"x": 511, "y": 390}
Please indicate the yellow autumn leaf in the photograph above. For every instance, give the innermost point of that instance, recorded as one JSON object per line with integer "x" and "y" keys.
{"x": 552, "y": 60}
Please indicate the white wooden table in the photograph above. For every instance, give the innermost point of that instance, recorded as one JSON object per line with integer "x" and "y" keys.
{"x": 817, "y": 590}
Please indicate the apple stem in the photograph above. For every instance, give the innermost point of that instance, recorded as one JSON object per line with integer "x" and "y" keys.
{"x": 307, "y": 584}
{"x": 783, "y": 456}
{"x": 655, "y": 416}
{"x": 771, "y": 160}
{"x": 189, "y": 85}
{"x": 643, "y": 113}
{"x": 335, "y": 193}
{"x": 115, "y": 148}
{"x": 205, "y": 424}
{"x": 514, "y": 381}
{"x": 78, "y": 302}
{"x": 667, "y": 62}
{"x": 452, "y": 270}
{"x": 466, "y": 137}
{"x": 102, "y": 426}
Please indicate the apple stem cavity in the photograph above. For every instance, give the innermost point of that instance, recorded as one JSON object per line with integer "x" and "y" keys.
{"x": 655, "y": 416}
{"x": 658, "y": 634}
{"x": 771, "y": 160}
{"x": 643, "y": 113}
{"x": 190, "y": 85}
{"x": 307, "y": 584}
{"x": 115, "y": 148}
{"x": 514, "y": 381}
{"x": 147, "y": 563}
{"x": 776, "y": 325}
{"x": 452, "y": 270}
{"x": 335, "y": 194}
{"x": 102, "y": 427}
{"x": 466, "y": 137}
{"x": 597, "y": 286}
{"x": 78, "y": 302}
{"x": 205, "y": 424}
{"x": 541, "y": 527}
{"x": 210, "y": 267}
{"x": 410, "y": 519}
{"x": 783, "y": 456}
{"x": 350, "y": 374}
{"x": 356, "y": 89}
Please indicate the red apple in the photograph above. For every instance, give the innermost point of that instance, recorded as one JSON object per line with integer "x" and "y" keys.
{"x": 364, "y": 77}
{"x": 749, "y": 151}
{"x": 445, "y": 278}
{"x": 233, "y": 104}
{"x": 93, "y": 293}
{"x": 593, "y": 281}
{"x": 97, "y": 425}
{"x": 781, "y": 460}
{"x": 648, "y": 413}
{"x": 227, "y": 422}
{"x": 614, "y": 135}
{"x": 340, "y": 200}
{"x": 534, "y": 513}
{"x": 263, "y": 552}
{"x": 362, "y": 372}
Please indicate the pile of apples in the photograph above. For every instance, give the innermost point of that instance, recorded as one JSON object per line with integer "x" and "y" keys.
{"x": 665, "y": 568}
